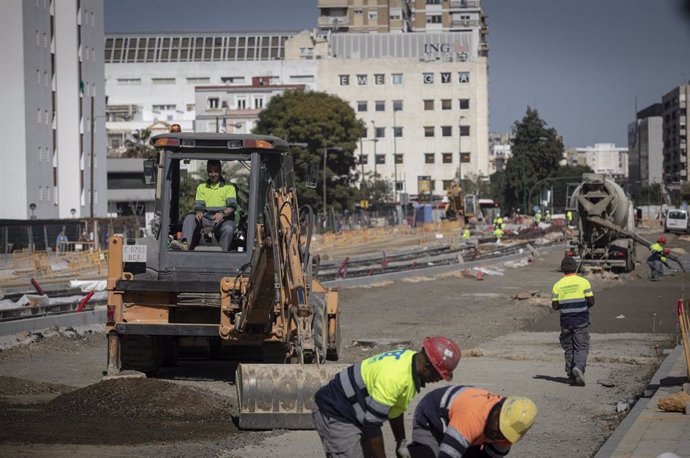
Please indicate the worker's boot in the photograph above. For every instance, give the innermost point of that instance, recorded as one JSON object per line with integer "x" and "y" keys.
{"x": 178, "y": 245}
{"x": 578, "y": 376}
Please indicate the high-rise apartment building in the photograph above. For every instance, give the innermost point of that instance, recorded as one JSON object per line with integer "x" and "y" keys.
{"x": 675, "y": 136}
{"x": 52, "y": 109}
{"x": 645, "y": 146}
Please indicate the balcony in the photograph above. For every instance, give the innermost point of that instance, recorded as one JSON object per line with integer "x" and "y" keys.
{"x": 465, "y": 4}
{"x": 464, "y": 23}
{"x": 332, "y": 4}
{"x": 333, "y": 21}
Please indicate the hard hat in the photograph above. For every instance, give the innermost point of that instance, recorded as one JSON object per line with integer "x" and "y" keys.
{"x": 443, "y": 354}
{"x": 568, "y": 265}
{"x": 517, "y": 417}
{"x": 662, "y": 240}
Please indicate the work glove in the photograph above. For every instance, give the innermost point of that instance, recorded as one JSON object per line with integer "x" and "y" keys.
{"x": 401, "y": 449}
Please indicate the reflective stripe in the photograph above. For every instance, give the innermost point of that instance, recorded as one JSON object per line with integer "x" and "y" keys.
{"x": 345, "y": 382}
{"x": 359, "y": 412}
{"x": 231, "y": 201}
{"x": 377, "y": 407}
{"x": 588, "y": 290}
{"x": 572, "y": 301}
{"x": 450, "y": 451}
{"x": 455, "y": 434}
{"x": 577, "y": 310}
{"x": 359, "y": 381}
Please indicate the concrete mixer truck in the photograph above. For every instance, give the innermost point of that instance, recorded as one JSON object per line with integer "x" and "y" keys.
{"x": 605, "y": 218}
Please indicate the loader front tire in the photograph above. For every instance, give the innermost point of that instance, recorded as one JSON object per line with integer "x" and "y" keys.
{"x": 319, "y": 325}
{"x": 138, "y": 353}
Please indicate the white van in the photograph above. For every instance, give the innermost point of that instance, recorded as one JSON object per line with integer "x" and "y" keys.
{"x": 676, "y": 220}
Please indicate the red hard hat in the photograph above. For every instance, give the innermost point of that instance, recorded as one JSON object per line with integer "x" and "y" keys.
{"x": 443, "y": 354}
{"x": 662, "y": 240}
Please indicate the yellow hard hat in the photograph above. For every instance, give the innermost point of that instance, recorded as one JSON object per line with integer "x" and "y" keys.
{"x": 517, "y": 417}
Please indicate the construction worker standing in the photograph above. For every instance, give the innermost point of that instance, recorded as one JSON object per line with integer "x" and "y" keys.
{"x": 349, "y": 411}
{"x": 537, "y": 217}
{"x": 657, "y": 258}
{"x": 547, "y": 218}
{"x": 573, "y": 296}
{"x": 466, "y": 234}
{"x": 464, "y": 421}
{"x": 498, "y": 233}
{"x": 569, "y": 216}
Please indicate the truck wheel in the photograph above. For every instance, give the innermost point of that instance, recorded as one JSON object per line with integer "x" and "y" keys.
{"x": 319, "y": 325}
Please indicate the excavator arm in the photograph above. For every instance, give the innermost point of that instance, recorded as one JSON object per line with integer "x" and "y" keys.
{"x": 276, "y": 305}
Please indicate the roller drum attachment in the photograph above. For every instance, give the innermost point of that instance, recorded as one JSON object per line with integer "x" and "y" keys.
{"x": 280, "y": 396}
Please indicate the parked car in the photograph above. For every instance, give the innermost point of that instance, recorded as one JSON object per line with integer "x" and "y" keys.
{"x": 676, "y": 220}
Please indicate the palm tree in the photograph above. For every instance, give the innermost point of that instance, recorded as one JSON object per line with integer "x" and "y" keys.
{"x": 138, "y": 146}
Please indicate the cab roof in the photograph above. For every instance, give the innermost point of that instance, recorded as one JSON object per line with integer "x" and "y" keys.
{"x": 192, "y": 140}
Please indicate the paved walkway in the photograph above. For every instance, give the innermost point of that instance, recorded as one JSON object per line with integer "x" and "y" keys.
{"x": 647, "y": 432}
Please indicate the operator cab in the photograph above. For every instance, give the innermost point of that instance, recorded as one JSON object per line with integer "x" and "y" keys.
{"x": 249, "y": 164}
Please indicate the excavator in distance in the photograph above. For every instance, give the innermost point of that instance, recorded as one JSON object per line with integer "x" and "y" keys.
{"x": 258, "y": 303}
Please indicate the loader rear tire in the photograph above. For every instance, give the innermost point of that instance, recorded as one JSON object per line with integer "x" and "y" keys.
{"x": 138, "y": 353}
{"x": 336, "y": 348}
{"x": 319, "y": 326}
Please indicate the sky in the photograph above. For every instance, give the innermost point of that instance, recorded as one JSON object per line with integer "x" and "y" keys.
{"x": 585, "y": 65}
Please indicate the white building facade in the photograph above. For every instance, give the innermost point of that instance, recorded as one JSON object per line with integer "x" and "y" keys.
{"x": 605, "y": 158}
{"x": 646, "y": 146}
{"x": 422, "y": 96}
{"x": 52, "y": 72}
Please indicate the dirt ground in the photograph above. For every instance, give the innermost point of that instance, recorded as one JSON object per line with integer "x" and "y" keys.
{"x": 53, "y": 402}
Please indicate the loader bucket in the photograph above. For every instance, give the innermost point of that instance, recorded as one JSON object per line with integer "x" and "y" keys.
{"x": 280, "y": 396}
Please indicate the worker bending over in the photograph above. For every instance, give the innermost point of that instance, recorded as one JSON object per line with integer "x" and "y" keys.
{"x": 349, "y": 411}
{"x": 573, "y": 296}
{"x": 657, "y": 258}
{"x": 463, "y": 421}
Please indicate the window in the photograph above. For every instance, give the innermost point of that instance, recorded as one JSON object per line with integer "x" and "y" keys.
{"x": 464, "y": 77}
{"x": 38, "y": 116}
{"x": 115, "y": 143}
{"x": 129, "y": 81}
{"x": 231, "y": 79}
{"x": 373, "y": 15}
{"x": 363, "y": 159}
{"x": 428, "y": 78}
{"x": 212, "y": 103}
{"x": 397, "y": 105}
{"x": 380, "y": 132}
{"x": 365, "y": 133}
{"x": 446, "y": 104}
{"x": 190, "y": 107}
{"x": 428, "y": 104}
{"x": 464, "y": 131}
{"x": 428, "y": 158}
{"x": 465, "y": 158}
{"x": 447, "y": 184}
{"x": 344, "y": 80}
{"x": 163, "y": 107}
{"x": 397, "y": 132}
{"x": 447, "y": 158}
{"x": 362, "y": 106}
{"x": 433, "y": 19}
{"x": 397, "y": 78}
{"x": 380, "y": 159}
{"x": 38, "y": 77}
{"x": 40, "y": 154}
{"x": 163, "y": 80}
{"x": 198, "y": 80}
{"x": 361, "y": 80}
{"x": 399, "y": 185}
{"x": 398, "y": 158}
{"x": 429, "y": 131}
{"x": 241, "y": 103}
{"x": 446, "y": 131}
{"x": 380, "y": 105}
{"x": 445, "y": 77}
{"x": 433, "y": 2}
{"x": 379, "y": 79}
{"x": 464, "y": 104}
{"x": 358, "y": 12}
{"x": 258, "y": 103}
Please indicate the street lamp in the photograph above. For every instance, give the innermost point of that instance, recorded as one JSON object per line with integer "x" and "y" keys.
{"x": 395, "y": 158}
{"x": 459, "y": 177}
{"x": 375, "y": 157}
{"x": 325, "y": 150}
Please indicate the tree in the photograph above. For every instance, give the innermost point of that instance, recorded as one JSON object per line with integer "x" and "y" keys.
{"x": 321, "y": 121}
{"x": 536, "y": 153}
{"x": 138, "y": 146}
{"x": 564, "y": 175}
{"x": 376, "y": 190}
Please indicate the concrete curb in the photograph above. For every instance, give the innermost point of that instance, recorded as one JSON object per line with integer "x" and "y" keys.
{"x": 612, "y": 443}
{"x": 67, "y": 320}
